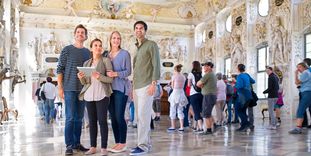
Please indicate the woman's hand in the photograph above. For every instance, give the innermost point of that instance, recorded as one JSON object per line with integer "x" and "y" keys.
{"x": 96, "y": 75}
{"x": 80, "y": 75}
{"x": 111, "y": 74}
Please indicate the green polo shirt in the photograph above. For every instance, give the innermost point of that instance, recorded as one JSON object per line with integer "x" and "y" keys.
{"x": 209, "y": 83}
{"x": 146, "y": 64}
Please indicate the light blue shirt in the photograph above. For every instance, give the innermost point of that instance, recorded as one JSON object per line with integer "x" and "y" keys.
{"x": 305, "y": 79}
{"x": 121, "y": 63}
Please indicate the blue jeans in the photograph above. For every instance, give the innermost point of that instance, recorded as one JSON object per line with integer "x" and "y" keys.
{"x": 304, "y": 103}
{"x": 229, "y": 107}
{"x": 117, "y": 109}
{"x": 235, "y": 105}
{"x": 186, "y": 110}
{"x": 41, "y": 107}
{"x": 49, "y": 110}
{"x": 74, "y": 112}
{"x": 241, "y": 110}
{"x": 196, "y": 102}
{"x": 132, "y": 111}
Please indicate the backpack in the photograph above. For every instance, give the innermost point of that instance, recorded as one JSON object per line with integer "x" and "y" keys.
{"x": 42, "y": 94}
{"x": 229, "y": 89}
{"x": 197, "y": 77}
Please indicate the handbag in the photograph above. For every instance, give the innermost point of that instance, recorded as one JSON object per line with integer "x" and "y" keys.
{"x": 42, "y": 94}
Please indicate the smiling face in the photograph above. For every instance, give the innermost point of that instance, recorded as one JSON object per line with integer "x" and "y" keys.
{"x": 115, "y": 40}
{"x": 300, "y": 68}
{"x": 140, "y": 31}
{"x": 80, "y": 35}
{"x": 97, "y": 48}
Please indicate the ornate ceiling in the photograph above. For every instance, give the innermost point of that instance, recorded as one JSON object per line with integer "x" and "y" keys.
{"x": 159, "y": 11}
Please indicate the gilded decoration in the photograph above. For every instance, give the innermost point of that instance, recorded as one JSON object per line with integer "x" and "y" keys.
{"x": 260, "y": 31}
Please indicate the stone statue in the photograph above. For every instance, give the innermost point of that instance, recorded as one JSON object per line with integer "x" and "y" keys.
{"x": 6, "y": 111}
{"x": 2, "y": 37}
{"x": 279, "y": 40}
{"x": 3, "y": 75}
{"x": 237, "y": 52}
{"x": 69, "y": 6}
{"x": 17, "y": 79}
{"x": 14, "y": 53}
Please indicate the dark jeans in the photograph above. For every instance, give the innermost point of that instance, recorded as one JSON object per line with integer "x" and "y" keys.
{"x": 241, "y": 110}
{"x": 74, "y": 112}
{"x": 235, "y": 105}
{"x": 97, "y": 111}
{"x": 117, "y": 109}
{"x": 196, "y": 102}
{"x": 186, "y": 110}
{"x": 229, "y": 107}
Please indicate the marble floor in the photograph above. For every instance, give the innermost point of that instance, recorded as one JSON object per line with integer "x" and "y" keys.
{"x": 32, "y": 137}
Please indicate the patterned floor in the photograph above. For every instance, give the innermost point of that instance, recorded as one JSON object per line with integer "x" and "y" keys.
{"x": 31, "y": 137}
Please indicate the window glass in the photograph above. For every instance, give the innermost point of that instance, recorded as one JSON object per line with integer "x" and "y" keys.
{"x": 227, "y": 66}
{"x": 263, "y": 7}
{"x": 229, "y": 23}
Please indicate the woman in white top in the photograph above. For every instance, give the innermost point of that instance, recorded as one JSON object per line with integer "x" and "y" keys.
{"x": 177, "y": 99}
{"x": 221, "y": 98}
{"x": 96, "y": 92}
{"x": 196, "y": 96}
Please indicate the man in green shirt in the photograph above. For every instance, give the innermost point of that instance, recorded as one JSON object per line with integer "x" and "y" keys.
{"x": 146, "y": 71}
{"x": 208, "y": 83}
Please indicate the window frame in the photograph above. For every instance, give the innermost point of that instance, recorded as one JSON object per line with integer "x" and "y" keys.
{"x": 267, "y": 54}
{"x": 305, "y": 44}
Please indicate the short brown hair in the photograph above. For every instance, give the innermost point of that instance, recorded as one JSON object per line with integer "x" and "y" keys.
{"x": 80, "y": 26}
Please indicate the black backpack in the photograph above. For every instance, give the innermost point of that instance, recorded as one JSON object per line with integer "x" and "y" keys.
{"x": 197, "y": 77}
{"x": 229, "y": 89}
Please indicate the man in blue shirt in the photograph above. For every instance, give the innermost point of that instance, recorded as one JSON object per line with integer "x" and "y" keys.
{"x": 69, "y": 87}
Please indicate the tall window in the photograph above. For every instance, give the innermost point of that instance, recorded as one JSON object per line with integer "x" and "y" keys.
{"x": 308, "y": 45}
{"x": 263, "y": 7}
{"x": 229, "y": 23}
{"x": 262, "y": 78}
{"x": 227, "y": 66}
{"x": 204, "y": 36}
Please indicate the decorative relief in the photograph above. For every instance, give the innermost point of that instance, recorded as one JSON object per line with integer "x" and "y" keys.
{"x": 215, "y": 5}
{"x": 48, "y": 44}
{"x": 238, "y": 37}
{"x": 112, "y": 10}
{"x": 307, "y": 13}
{"x": 208, "y": 48}
{"x": 279, "y": 32}
{"x": 170, "y": 48}
{"x": 69, "y": 7}
{"x": 260, "y": 32}
{"x": 187, "y": 11}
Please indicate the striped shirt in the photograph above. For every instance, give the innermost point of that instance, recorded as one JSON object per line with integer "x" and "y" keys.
{"x": 69, "y": 59}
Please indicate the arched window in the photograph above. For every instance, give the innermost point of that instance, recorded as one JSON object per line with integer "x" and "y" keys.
{"x": 229, "y": 23}
{"x": 204, "y": 36}
{"x": 263, "y": 7}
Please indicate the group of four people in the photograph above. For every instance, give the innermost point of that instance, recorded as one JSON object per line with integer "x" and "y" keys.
{"x": 107, "y": 89}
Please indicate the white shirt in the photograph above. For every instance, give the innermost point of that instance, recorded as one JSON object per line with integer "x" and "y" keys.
{"x": 221, "y": 90}
{"x": 49, "y": 89}
{"x": 191, "y": 77}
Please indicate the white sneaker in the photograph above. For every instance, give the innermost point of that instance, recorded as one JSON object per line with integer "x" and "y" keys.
{"x": 272, "y": 127}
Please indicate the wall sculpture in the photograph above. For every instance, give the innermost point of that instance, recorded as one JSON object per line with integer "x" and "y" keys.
{"x": 279, "y": 30}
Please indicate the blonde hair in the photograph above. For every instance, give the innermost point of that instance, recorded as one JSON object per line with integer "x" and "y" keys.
{"x": 111, "y": 38}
